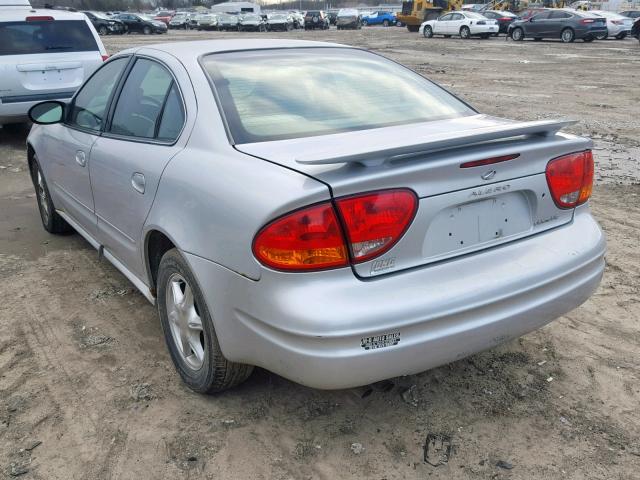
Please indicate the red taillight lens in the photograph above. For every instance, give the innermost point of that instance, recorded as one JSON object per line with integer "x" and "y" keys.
{"x": 312, "y": 238}
{"x": 39, "y": 18}
{"x": 489, "y": 161}
{"x": 374, "y": 222}
{"x": 504, "y": 19}
{"x": 584, "y": 21}
{"x": 105, "y": 58}
{"x": 570, "y": 178}
{"x": 308, "y": 239}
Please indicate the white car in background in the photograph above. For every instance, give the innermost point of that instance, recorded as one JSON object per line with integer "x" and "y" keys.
{"x": 44, "y": 55}
{"x": 463, "y": 23}
{"x": 618, "y": 26}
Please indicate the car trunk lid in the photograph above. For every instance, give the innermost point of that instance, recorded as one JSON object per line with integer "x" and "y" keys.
{"x": 461, "y": 210}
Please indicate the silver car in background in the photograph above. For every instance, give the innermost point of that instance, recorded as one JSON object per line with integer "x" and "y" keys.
{"x": 274, "y": 225}
{"x": 44, "y": 55}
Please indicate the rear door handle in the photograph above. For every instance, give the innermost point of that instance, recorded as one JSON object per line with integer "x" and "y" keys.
{"x": 81, "y": 158}
{"x": 138, "y": 182}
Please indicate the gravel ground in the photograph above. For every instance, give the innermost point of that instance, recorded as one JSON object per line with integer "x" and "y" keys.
{"x": 87, "y": 389}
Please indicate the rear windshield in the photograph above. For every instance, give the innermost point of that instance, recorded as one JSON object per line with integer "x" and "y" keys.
{"x": 290, "y": 93}
{"x": 19, "y": 38}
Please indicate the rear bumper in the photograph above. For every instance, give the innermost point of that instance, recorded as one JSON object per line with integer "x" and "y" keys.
{"x": 483, "y": 29}
{"x": 314, "y": 328}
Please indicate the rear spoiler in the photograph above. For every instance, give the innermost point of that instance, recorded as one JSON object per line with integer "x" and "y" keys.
{"x": 389, "y": 149}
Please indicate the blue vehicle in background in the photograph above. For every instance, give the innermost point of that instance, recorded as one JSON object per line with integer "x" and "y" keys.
{"x": 379, "y": 18}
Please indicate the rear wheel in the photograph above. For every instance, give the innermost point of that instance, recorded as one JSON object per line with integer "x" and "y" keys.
{"x": 189, "y": 331}
{"x": 427, "y": 32}
{"x": 102, "y": 30}
{"x": 51, "y": 220}
{"x": 602, "y": 36}
{"x": 411, "y": 28}
{"x": 465, "y": 33}
{"x": 567, "y": 35}
{"x": 621, "y": 36}
{"x": 365, "y": 23}
{"x": 517, "y": 34}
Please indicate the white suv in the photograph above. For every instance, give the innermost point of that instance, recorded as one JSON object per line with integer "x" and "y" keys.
{"x": 44, "y": 55}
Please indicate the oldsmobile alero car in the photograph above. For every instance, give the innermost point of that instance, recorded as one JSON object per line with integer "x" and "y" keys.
{"x": 334, "y": 246}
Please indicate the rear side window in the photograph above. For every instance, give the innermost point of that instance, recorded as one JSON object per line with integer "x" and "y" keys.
{"x": 22, "y": 38}
{"x": 560, "y": 15}
{"x": 148, "y": 91}
{"x": 172, "y": 116}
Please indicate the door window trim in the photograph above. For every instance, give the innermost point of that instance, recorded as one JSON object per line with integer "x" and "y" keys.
{"x": 114, "y": 102}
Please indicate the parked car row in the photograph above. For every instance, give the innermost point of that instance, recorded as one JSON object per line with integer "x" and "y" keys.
{"x": 537, "y": 23}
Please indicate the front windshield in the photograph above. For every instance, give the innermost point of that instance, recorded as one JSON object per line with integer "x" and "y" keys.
{"x": 301, "y": 92}
{"x": 251, "y": 18}
{"x": 347, "y": 13}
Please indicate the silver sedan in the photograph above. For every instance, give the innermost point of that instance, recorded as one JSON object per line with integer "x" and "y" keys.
{"x": 280, "y": 212}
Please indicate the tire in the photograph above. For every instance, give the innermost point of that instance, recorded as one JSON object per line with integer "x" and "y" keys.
{"x": 621, "y": 36}
{"x": 51, "y": 221}
{"x": 427, "y": 32}
{"x": 602, "y": 36}
{"x": 465, "y": 33}
{"x": 146, "y": 30}
{"x": 365, "y": 23}
{"x": 567, "y": 35}
{"x": 102, "y": 30}
{"x": 207, "y": 371}
{"x": 517, "y": 34}
{"x": 385, "y": 23}
{"x": 411, "y": 28}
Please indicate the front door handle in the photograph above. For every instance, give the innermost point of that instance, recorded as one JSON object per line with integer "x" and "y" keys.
{"x": 138, "y": 182}
{"x": 81, "y": 158}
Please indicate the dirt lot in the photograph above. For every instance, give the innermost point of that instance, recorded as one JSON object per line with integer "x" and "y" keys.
{"x": 87, "y": 389}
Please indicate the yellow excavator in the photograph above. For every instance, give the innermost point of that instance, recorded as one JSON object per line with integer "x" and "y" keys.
{"x": 414, "y": 12}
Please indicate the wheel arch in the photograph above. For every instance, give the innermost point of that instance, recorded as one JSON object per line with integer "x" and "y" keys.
{"x": 156, "y": 243}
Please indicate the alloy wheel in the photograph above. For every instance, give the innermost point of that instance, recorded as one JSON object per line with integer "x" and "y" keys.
{"x": 185, "y": 322}
{"x": 42, "y": 198}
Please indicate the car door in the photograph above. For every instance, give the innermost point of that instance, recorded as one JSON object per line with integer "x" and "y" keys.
{"x": 127, "y": 161}
{"x": 453, "y": 26}
{"x": 539, "y": 25}
{"x": 440, "y": 25}
{"x": 68, "y": 145}
{"x": 134, "y": 24}
{"x": 557, "y": 21}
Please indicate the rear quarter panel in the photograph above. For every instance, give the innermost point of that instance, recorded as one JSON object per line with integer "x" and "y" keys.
{"x": 212, "y": 199}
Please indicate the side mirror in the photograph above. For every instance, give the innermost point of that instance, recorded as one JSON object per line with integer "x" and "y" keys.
{"x": 47, "y": 113}
{"x": 531, "y": 19}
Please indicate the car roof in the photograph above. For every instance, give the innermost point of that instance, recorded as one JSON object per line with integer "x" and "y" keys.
{"x": 20, "y": 14}
{"x": 197, "y": 48}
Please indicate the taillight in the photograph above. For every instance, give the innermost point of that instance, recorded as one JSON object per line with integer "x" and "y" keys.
{"x": 489, "y": 161}
{"x": 313, "y": 238}
{"x": 374, "y": 222}
{"x": 307, "y": 239}
{"x": 504, "y": 19}
{"x": 584, "y": 21}
{"x": 39, "y": 18}
{"x": 570, "y": 178}
{"x": 105, "y": 58}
